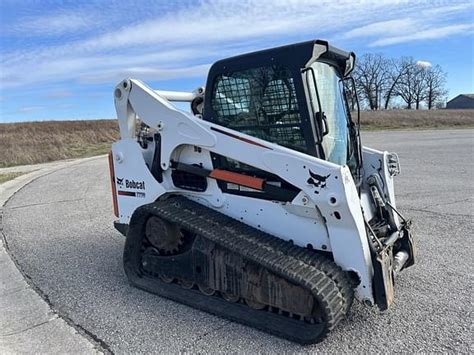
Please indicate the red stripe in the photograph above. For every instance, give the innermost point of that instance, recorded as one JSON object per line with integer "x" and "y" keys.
{"x": 127, "y": 193}
{"x": 243, "y": 139}
{"x": 112, "y": 180}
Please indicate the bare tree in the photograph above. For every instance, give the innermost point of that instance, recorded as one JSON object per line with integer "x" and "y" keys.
{"x": 435, "y": 81}
{"x": 371, "y": 74}
{"x": 380, "y": 80}
{"x": 404, "y": 85}
{"x": 396, "y": 70}
{"x": 419, "y": 85}
{"x": 411, "y": 86}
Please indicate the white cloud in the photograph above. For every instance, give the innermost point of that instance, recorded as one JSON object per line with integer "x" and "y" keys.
{"x": 446, "y": 10}
{"x": 187, "y": 37}
{"x": 53, "y": 25}
{"x": 166, "y": 43}
{"x": 430, "y": 33}
{"x": 423, "y": 23}
{"x": 27, "y": 109}
{"x": 390, "y": 27}
{"x": 58, "y": 94}
{"x": 146, "y": 73}
{"x": 423, "y": 64}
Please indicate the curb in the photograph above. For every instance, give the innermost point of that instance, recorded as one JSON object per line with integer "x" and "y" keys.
{"x": 28, "y": 324}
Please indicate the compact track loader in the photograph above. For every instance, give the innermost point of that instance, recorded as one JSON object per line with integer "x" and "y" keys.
{"x": 259, "y": 205}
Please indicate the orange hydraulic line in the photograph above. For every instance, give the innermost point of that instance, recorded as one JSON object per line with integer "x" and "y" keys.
{"x": 240, "y": 179}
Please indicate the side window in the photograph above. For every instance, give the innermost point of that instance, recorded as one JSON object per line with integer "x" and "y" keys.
{"x": 260, "y": 102}
{"x": 231, "y": 97}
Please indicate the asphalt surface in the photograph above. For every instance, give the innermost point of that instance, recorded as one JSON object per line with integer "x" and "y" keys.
{"x": 59, "y": 230}
{"x": 28, "y": 324}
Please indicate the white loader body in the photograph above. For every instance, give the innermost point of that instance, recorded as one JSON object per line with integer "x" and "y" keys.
{"x": 345, "y": 212}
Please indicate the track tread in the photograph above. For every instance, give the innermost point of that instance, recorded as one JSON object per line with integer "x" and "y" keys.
{"x": 326, "y": 281}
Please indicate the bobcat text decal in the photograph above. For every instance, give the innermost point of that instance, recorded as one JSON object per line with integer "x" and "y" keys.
{"x": 130, "y": 184}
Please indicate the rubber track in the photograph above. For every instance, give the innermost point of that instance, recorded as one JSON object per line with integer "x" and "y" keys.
{"x": 325, "y": 280}
{"x": 332, "y": 270}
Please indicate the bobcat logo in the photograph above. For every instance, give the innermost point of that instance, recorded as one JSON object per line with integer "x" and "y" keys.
{"x": 120, "y": 181}
{"x": 318, "y": 181}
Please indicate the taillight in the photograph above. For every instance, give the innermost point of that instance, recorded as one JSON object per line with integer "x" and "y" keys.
{"x": 112, "y": 181}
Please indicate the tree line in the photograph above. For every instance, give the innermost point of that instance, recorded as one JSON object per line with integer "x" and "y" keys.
{"x": 384, "y": 83}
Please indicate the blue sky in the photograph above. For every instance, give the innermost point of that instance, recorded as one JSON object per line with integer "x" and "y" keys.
{"x": 62, "y": 59}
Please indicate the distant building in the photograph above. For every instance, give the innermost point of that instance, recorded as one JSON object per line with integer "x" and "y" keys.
{"x": 463, "y": 101}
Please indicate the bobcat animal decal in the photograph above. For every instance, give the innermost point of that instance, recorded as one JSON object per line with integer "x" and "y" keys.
{"x": 120, "y": 181}
{"x": 318, "y": 181}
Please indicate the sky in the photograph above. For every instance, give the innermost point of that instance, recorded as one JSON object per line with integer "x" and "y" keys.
{"x": 62, "y": 59}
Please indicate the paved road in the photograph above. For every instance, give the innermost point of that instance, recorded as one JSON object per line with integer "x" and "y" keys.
{"x": 59, "y": 229}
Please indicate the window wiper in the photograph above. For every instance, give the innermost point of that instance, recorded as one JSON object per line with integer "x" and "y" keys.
{"x": 354, "y": 129}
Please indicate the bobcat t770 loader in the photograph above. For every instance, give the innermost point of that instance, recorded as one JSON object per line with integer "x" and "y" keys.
{"x": 260, "y": 204}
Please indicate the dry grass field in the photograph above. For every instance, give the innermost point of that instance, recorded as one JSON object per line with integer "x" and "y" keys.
{"x": 416, "y": 119}
{"x": 38, "y": 142}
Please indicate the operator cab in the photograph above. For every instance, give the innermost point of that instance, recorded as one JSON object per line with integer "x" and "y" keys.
{"x": 293, "y": 96}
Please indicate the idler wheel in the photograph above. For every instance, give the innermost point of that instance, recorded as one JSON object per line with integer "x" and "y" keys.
{"x": 165, "y": 278}
{"x": 186, "y": 284}
{"x": 229, "y": 297}
{"x": 206, "y": 290}
{"x": 255, "y": 304}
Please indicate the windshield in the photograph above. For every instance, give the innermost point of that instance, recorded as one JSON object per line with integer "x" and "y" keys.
{"x": 330, "y": 90}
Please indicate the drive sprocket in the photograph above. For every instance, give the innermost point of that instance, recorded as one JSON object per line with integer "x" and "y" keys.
{"x": 166, "y": 237}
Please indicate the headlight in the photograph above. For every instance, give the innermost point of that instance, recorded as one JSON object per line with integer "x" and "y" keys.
{"x": 393, "y": 164}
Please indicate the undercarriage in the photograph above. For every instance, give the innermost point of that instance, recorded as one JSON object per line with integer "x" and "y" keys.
{"x": 184, "y": 251}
